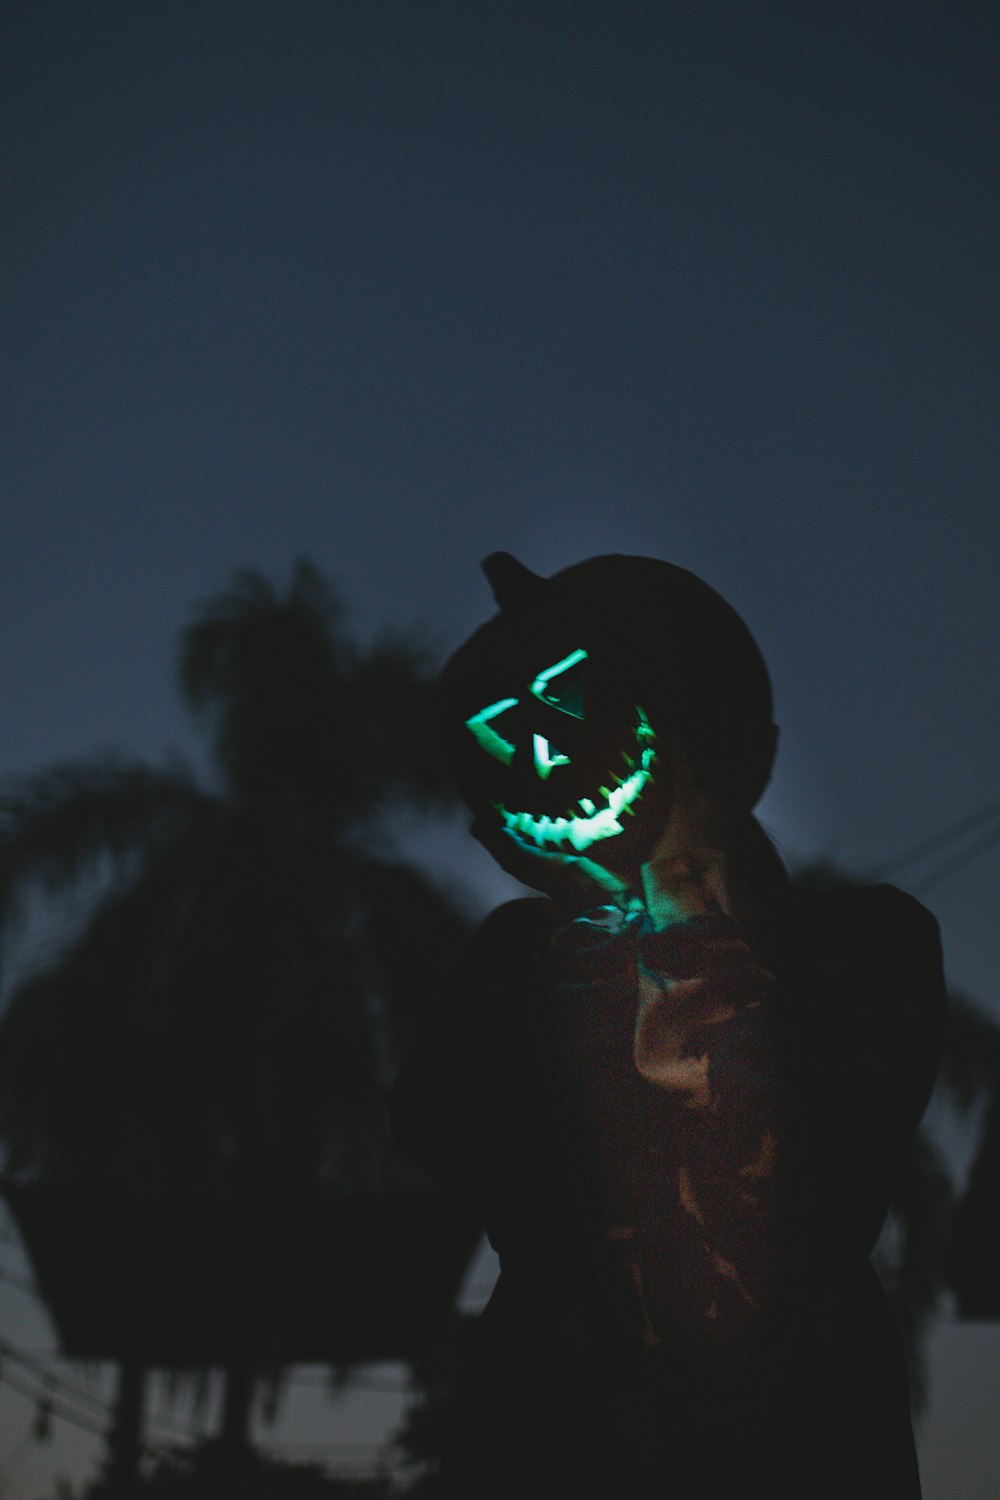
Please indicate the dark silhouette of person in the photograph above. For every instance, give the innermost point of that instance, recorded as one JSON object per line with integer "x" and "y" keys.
{"x": 677, "y": 1090}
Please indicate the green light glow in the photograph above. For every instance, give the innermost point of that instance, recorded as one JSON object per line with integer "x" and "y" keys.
{"x": 541, "y": 690}
{"x": 546, "y": 756}
{"x": 568, "y": 699}
{"x": 599, "y": 820}
{"x": 494, "y": 744}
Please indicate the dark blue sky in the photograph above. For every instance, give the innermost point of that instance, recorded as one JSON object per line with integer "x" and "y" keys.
{"x": 399, "y": 284}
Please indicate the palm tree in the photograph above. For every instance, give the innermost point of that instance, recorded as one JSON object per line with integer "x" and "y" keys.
{"x": 223, "y": 1027}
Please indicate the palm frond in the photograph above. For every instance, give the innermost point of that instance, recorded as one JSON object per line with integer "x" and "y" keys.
{"x": 298, "y": 712}
{"x": 395, "y": 702}
{"x": 267, "y": 674}
{"x": 57, "y": 824}
{"x": 417, "y": 934}
{"x": 221, "y": 649}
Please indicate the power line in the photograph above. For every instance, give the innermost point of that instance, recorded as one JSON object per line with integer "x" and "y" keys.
{"x": 950, "y": 866}
{"x": 54, "y": 1396}
{"x": 35, "y": 1365}
{"x": 39, "y": 1364}
{"x": 965, "y": 825}
{"x": 53, "y": 1385}
{"x": 47, "y": 1398}
{"x": 55, "y": 1404}
{"x": 362, "y": 1458}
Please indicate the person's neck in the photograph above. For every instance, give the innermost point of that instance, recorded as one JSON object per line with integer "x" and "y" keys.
{"x": 744, "y": 879}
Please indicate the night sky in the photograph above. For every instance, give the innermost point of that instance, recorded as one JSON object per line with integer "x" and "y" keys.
{"x": 396, "y": 285}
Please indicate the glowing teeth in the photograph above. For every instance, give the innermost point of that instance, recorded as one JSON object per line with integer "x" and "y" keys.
{"x": 578, "y": 832}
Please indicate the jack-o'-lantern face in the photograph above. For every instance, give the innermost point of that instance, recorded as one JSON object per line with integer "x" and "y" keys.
{"x": 553, "y": 740}
{"x": 564, "y": 711}
{"x": 575, "y": 778}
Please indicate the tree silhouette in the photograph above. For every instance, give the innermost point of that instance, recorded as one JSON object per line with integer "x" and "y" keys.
{"x": 224, "y": 1026}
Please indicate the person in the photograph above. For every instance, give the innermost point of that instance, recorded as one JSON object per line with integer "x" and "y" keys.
{"x": 677, "y": 1090}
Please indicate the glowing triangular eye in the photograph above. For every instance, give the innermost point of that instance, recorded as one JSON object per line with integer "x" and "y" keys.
{"x": 494, "y": 744}
{"x": 547, "y": 757}
{"x": 563, "y": 685}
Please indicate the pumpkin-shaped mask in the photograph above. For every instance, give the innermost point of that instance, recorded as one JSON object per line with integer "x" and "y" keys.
{"x": 563, "y": 708}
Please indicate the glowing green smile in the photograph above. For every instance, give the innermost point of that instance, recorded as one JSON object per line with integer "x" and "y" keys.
{"x": 562, "y": 688}
{"x": 594, "y": 822}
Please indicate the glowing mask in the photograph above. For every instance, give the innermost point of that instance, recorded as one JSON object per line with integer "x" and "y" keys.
{"x": 542, "y": 735}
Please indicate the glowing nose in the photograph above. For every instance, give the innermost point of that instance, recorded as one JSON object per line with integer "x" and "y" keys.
{"x": 547, "y": 756}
